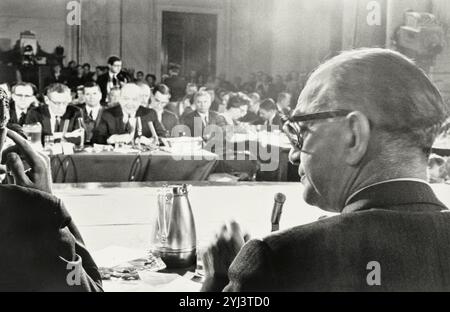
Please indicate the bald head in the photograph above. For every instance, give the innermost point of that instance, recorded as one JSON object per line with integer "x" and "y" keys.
{"x": 395, "y": 95}
{"x": 130, "y": 98}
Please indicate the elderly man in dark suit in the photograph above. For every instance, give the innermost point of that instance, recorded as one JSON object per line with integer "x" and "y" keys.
{"x": 363, "y": 130}
{"x": 42, "y": 248}
{"x": 119, "y": 124}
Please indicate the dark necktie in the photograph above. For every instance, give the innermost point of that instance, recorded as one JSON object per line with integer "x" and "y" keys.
{"x": 22, "y": 118}
{"x": 91, "y": 117}
{"x": 57, "y": 123}
{"x": 128, "y": 128}
{"x": 114, "y": 81}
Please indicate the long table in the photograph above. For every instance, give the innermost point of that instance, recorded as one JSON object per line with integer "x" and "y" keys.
{"x": 132, "y": 167}
{"x": 123, "y": 214}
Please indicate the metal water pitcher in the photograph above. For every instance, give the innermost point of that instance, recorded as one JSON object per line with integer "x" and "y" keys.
{"x": 174, "y": 238}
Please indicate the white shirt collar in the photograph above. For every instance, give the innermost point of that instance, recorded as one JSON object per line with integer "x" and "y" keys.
{"x": 20, "y": 111}
{"x": 383, "y": 182}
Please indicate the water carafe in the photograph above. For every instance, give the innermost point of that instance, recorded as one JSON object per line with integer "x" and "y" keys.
{"x": 174, "y": 238}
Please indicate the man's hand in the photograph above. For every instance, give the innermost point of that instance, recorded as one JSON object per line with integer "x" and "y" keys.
{"x": 40, "y": 175}
{"x": 225, "y": 247}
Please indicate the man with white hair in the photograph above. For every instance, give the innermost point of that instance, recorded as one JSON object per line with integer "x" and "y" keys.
{"x": 362, "y": 133}
{"x": 119, "y": 124}
{"x": 145, "y": 94}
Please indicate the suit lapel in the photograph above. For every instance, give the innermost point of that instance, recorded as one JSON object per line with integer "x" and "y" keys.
{"x": 46, "y": 124}
{"x": 394, "y": 195}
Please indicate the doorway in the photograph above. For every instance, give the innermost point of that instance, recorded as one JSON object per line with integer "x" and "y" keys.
{"x": 189, "y": 40}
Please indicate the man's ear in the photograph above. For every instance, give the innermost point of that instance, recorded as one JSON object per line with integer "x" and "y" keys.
{"x": 357, "y": 137}
{"x": 46, "y": 99}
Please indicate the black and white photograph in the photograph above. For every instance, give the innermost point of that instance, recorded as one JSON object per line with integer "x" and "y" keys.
{"x": 206, "y": 146}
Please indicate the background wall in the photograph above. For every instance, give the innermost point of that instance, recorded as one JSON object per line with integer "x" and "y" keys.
{"x": 271, "y": 35}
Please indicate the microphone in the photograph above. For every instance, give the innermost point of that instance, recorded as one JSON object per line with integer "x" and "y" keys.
{"x": 279, "y": 200}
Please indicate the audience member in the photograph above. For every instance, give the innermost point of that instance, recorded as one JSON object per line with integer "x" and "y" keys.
{"x": 115, "y": 77}
{"x": 269, "y": 114}
{"x": 284, "y": 103}
{"x": 176, "y": 84}
{"x": 160, "y": 99}
{"x": 252, "y": 116}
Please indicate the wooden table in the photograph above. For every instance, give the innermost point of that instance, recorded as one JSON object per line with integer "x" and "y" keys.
{"x": 122, "y": 214}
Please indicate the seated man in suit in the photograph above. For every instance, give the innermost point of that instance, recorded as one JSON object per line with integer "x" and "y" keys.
{"x": 269, "y": 113}
{"x": 23, "y": 99}
{"x": 252, "y": 117}
{"x": 56, "y": 113}
{"x": 363, "y": 131}
{"x": 42, "y": 248}
{"x": 119, "y": 124}
{"x": 199, "y": 119}
{"x": 92, "y": 110}
{"x": 159, "y": 100}
{"x": 114, "y": 78}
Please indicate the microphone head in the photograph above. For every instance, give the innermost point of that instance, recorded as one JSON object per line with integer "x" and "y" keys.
{"x": 280, "y": 198}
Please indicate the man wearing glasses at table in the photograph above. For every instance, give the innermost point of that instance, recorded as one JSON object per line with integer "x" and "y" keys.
{"x": 56, "y": 113}
{"x": 23, "y": 99}
{"x": 363, "y": 131}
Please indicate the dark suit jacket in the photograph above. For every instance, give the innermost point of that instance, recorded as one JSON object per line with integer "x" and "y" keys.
{"x": 252, "y": 118}
{"x": 13, "y": 118}
{"x": 39, "y": 243}
{"x": 177, "y": 86}
{"x": 112, "y": 123}
{"x": 198, "y": 128}
{"x": 103, "y": 80}
{"x": 90, "y": 124}
{"x": 41, "y": 115}
{"x": 401, "y": 225}
{"x": 276, "y": 123}
{"x": 169, "y": 120}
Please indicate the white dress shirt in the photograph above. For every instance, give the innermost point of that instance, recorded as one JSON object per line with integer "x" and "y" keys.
{"x": 204, "y": 118}
{"x": 94, "y": 111}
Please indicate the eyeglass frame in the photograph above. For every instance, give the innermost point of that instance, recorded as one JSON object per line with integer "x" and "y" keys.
{"x": 308, "y": 117}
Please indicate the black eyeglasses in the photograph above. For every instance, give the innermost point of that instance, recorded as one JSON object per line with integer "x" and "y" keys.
{"x": 294, "y": 131}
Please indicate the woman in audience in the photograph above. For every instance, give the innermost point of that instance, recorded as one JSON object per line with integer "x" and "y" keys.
{"x": 237, "y": 106}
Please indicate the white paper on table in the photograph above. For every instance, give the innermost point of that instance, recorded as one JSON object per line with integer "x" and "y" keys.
{"x": 116, "y": 255}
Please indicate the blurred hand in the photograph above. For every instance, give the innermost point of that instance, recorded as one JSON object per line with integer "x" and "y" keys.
{"x": 120, "y": 138}
{"x": 39, "y": 176}
{"x": 225, "y": 247}
{"x": 147, "y": 141}
{"x": 74, "y": 134}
